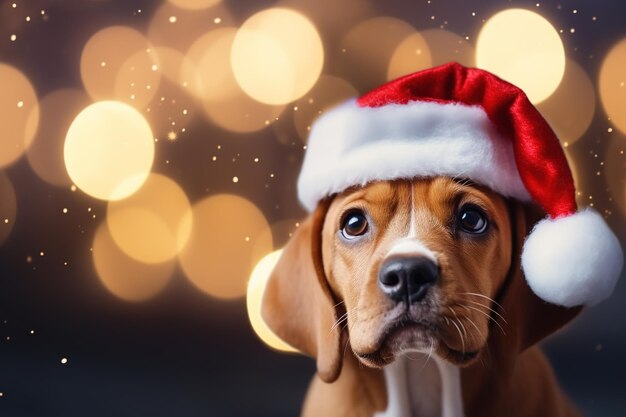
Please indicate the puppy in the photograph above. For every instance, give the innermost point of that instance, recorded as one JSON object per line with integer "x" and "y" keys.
{"x": 419, "y": 278}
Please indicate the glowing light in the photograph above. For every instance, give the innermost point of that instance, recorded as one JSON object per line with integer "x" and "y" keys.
{"x": 137, "y": 79}
{"x": 371, "y": 45}
{"x": 19, "y": 121}
{"x": 123, "y": 276}
{"x": 570, "y": 109}
{"x": 277, "y": 56}
{"x": 45, "y": 155}
{"x": 612, "y": 85}
{"x": 327, "y": 92}
{"x": 224, "y": 101}
{"x": 104, "y": 55}
{"x": 218, "y": 259}
{"x": 256, "y": 288}
{"x": 194, "y": 4}
{"x": 412, "y": 54}
{"x": 109, "y": 149}
{"x": 153, "y": 224}
{"x": 523, "y": 48}
{"x": 8, "y": 207}
{"x": 448, "y": 46}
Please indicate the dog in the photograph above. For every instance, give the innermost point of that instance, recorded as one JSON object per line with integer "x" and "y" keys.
{"x": 410, "y": 295}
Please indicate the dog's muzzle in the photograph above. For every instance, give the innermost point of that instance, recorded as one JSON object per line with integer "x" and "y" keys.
{"x": 407, "y": 278}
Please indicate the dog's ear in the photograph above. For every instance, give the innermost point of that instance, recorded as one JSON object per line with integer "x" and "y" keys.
{"x": 529, "y": 318}
{"x": 298, "y": 304}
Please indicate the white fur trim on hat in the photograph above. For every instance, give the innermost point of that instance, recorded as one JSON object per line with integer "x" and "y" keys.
{"x": 572, "y": 260}
{"x": 352, "y": 146}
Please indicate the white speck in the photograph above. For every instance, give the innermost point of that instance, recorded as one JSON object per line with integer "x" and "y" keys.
{"x": 13, "y": 37}
{"x": 217, "y": 20}
{"x": 172, "y": 19}
{"x": 235, "y": 180}
{"x": 63, "y": 361}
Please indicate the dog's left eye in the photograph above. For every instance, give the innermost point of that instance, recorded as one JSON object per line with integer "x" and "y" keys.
{"x": 354, "y": 225}
{"x": 472, "y": 219}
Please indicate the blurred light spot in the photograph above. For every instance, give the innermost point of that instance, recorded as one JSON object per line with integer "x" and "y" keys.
{"x": 615, "y": 176}
{"x": 109, "y": 150}
{"x": 107, "y": 53}
{"x": 63, "y": 361}
{"x": 368, "y": 49}
{"x": 213, "y": 81}
{"x": 612, "y": 85}
{"x": 256, "y": 288}
{"x": 412, "y": 54}
{"x": 328, "y": 92}
{"x": 277, "y": 56}
{"x": 123, "y": 276}
{"x": 449, "y": 47}
{"x": 523, "y": 48}
{"x": 19, "y": 114}
{"x": 570, "y": 109}
{"x": 8, "y": 207}
{"x": 194, "y": 4}
{"x": 217, "y": 258}
{"x": 190, "y": 24}
{"x": 153, "y": 224}
{"x": 137, "y": 79}
{"x": 45, "y": 155}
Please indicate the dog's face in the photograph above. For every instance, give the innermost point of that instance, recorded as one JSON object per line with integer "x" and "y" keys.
{"x": 429, "y": 265}
{"x": 416, "y": 266}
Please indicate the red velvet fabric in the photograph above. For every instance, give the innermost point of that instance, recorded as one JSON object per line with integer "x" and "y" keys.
{"x": 540, "y": 159}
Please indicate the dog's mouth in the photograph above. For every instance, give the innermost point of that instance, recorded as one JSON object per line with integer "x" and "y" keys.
{"x": 410, "y": 335}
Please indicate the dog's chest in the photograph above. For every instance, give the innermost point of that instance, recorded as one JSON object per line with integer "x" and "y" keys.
{"x": 421, "y": 387}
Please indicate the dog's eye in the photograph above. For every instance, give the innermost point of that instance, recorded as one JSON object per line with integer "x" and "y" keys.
{"x": 354, "y": 224}
{"x": 472, "y": 219}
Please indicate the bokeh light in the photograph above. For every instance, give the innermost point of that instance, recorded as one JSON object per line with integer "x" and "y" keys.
{"x": 194, "y": 4}
{"x": 226, "y": 242}
{"x": 153, "y": 224}
{"x": 615, "y": 172}
{"x": 523, "y": 48}
{"x": 109, "y": 150}
{"x": 138, "y": 78}
{"x": 328, "y": 92}
{"x": 254, "y": 297}
{"x": 412, "y": 54}
{"x": 368, "y": 47}
{"x": 277, "y": 56}
{"x": 45, "y": 155}
{"x": 612, "y": 85}
{"x": 447, "y": 47}
{"x": 174, "y": 27}
{"x": 8, "y": 207}
{"x": 19, "y": 114}
{"x": 570, "y": 109}
{"x": 106, "y": 53}
{"x": 225, "y": 103}
{"x": 126, "y": 277}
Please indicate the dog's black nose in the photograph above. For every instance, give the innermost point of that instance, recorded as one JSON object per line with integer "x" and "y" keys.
{"x": 407, "y": 278}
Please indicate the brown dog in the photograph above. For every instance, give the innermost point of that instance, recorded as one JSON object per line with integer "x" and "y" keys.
{"x": 420, "y": 279}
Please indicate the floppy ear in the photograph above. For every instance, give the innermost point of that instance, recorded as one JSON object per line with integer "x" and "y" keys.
{"x": 529, "y": 318}
{"x": 298, "y": 304}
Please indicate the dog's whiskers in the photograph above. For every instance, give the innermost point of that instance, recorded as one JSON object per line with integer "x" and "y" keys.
{"x": 488, "y": 308}
{"x": 489, "y": 317}
{"x": 483, "y": 296}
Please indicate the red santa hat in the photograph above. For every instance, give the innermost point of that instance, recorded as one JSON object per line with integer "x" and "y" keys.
{"x": 468, "y": 123}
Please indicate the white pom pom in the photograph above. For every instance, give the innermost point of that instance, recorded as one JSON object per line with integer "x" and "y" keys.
{"x": 573, "y": 260}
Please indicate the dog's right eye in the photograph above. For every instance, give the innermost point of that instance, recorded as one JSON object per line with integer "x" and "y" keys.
{"x": 354, "y": 224}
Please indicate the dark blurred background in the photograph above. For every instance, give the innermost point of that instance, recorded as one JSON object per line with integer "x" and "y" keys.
{"x": 100, "y": 315}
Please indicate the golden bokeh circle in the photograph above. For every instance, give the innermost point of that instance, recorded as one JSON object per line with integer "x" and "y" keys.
{"x": 106, "y": 53}
{"x": 571, "y": 108}
{"x": 412, "y": 54}
{"x": 126, "y": 277}
{"x": 109, "y": 150}
{"x": 612, "y": 85}
{"x": 45, "y": 156}
{"x": 254, "y": 297}
{"x": 523, "y": 48}
{"x": 447, "y": 47}
{"x": 8, "y": 207}
{"x": 277, "y": 56}
{"x": 226, "y": 241}
{"x": 194, "y": 4}
{"x": 19, "y": 114}
{"x": 153, "y": 224}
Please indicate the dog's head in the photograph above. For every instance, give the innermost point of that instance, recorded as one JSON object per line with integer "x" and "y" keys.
{"x": 429, "y": 265}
